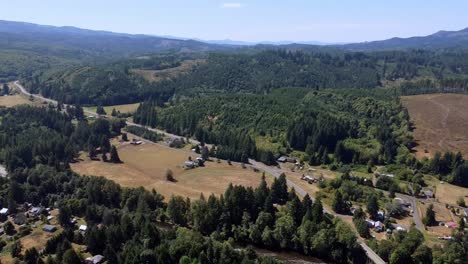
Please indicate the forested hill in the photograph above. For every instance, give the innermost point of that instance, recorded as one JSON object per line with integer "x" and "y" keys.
{"x": 26, "y": 48}
{"x": 82, "y": 42}
{"x": 442, "y": 40}
{"x": 260, "y": 72}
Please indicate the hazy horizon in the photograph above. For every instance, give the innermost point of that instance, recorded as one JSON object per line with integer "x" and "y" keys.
{"x": 249, "y": 21}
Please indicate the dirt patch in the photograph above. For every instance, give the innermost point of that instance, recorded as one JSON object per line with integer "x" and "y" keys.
{"x": 441, "y": 122}
{"x": 145, "y": 165}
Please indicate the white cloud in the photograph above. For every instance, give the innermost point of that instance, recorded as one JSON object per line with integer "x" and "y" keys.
{"x": 232, "y": 5}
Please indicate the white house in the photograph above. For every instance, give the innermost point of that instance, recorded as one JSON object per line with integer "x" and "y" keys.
{"x": 4, "y": 211}
{"x": 83, "y": 228}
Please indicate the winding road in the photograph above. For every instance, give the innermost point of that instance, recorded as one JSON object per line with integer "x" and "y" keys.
{"x": 275, "y": 172}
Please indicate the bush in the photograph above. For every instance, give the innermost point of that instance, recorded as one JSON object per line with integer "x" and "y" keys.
{"x": 170, "y": 176}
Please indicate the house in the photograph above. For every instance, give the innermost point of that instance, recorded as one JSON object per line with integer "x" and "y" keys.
{"x": 402, "y": 202}
{"x": 312, "y": 169}
{"x": 381, "y": 215}
{"x": 378, "y": 226}
{"x": 189, "y": 164}
{"x": 37, "y": 210}
{"x": 309, "y": 179}
{"x": 428, "y": 193}
{"x": 2, "y": 231}
{"x": 465, "y": 210}
{"x": 49, "y": 228}
{"x": 452, "y": 225}
{"x": 50, "y": 217}
{"x": 370, "y": 223}
{"x": 4, "y": 211}
{"x": 94, "y": 259}
{"x": 83, "y": 228}
{"x": 282, "y": 159}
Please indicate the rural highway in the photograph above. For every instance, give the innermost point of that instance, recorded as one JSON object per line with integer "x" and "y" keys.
{"x": 91, "y": 113}
{"x": 255, "y": 164}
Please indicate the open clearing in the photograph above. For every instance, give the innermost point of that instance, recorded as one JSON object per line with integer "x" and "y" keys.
{"x": 158, "y": 75}
{"x": 16, "y": 98}
{"x": 441, "y": 123}
{"x": 145, "y": 165}
{"x": 124, "y": 108}
{"x": 446, "y": 193}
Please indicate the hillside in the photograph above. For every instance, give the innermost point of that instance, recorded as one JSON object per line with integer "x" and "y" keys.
{"x": 26, "y": 48}
{"x": 442, "y": 40}
{"x": 441, "y": 122}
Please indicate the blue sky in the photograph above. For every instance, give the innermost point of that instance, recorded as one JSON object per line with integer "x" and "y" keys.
{"x": 249, "y": 20}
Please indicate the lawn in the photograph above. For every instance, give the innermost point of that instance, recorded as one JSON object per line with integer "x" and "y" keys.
{"x": 146, "y": 165}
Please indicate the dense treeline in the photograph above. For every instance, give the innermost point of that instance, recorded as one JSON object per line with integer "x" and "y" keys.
{"x": 259, "y": 72}
{"x": 121, "y": 221}
{"x": 426, "y": 86}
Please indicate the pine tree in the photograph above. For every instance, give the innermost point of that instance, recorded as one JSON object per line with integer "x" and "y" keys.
{"x": 429, "y": 219}
{"x": 114, "y": 155}
{"x": 373, "y": 206}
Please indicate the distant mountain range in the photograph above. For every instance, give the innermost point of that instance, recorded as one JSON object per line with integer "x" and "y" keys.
{"x": 81, "y": 43}
{"x": 72, "y": 41}
{"x": 439, "y": 40}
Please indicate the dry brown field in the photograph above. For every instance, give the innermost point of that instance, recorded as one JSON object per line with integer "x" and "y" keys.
{"x": 440, "y": 121}
{"x": 146, "y": 165}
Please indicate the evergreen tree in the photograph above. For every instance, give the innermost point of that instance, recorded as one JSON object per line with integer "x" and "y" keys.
{"x": 114, "y": 155}
{"x": 372, "y": 207}
{"x": 429, "y": 219}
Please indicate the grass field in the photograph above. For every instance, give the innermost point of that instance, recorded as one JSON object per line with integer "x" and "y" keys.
{"x": 157, "y": 75}
{"x": 441, "y": 122}
{"x": 124, "y": 108}
{"x": 145, "y": 165}
{"x": 446, "y": 193}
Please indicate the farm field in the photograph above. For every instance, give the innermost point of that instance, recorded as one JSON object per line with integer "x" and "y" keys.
{"x": 146, "y": 165}
{"x": 446, "y": 193}
{"x": 17, "y": 99}
{"x": 441, "y": 122}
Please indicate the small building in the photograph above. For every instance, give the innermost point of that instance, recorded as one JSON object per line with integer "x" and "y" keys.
{"x": 465, "y": 210}
{"x": 282, "y": 159}
{"x": 387, "y": 175}
{"x": 38, "y": 210}
{"x": 428, "y": 193}
{"x": 50, "y": 217}
{"x": 83, "y": 228}
{"x": 400, "y": 228}
{"x": 402, "y": 202}
{"x": 136, "y": 142}
{"x": 189, "y": 164}
{"x": 94, "y": 259}
{"x": 4, "y": 211}
{"x": 378, "y": 226}
{"x": 370, "y": 223}
{"x": 452, "y": 225}
{"x": 381, "y": 215}
{"x": 2, "y": 231}
{"x": 49, "y": 228}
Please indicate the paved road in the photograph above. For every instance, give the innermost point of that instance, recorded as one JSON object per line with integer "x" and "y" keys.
{"x": 255, "y": 164}
{"x": 91, "y": 113}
